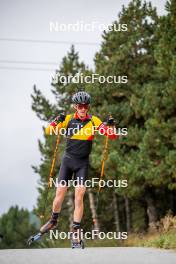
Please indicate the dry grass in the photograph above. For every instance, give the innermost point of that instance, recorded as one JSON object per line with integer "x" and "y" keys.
{"x": 163, "y": 237}
{"x": 167, "y": 223}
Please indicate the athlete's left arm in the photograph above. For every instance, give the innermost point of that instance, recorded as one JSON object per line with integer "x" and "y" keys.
{"x": 109, "y": 131}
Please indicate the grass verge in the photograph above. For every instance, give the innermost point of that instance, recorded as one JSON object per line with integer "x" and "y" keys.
{"x": 166, "y": 240}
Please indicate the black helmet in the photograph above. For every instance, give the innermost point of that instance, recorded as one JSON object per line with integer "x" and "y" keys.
{"x": 81, "y": 97}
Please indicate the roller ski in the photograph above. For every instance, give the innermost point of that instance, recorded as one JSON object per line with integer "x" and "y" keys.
{"x": 50, "y": 225}
{"x": 79, "y": 244}
{"x": 76, "y": 239}
{"x": 34, "y": 238}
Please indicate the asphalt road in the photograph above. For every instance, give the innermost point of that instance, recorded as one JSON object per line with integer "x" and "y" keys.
{"x": 120, "y": 255}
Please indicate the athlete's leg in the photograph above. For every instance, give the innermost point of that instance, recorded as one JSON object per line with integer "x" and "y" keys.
{"x": 59, "y": 198}
{"x": 64, "y": 175}
{"x": 78, "y": 213}
{"x": 79, "y": 203}
{"x": 81, "y": 175}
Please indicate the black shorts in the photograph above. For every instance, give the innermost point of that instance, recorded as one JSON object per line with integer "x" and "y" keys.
{"x": 73, "y": 169}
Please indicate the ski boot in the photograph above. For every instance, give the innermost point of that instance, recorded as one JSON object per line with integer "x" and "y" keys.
{"x": 50, "y": 225}
{"x": 76, "y": 239}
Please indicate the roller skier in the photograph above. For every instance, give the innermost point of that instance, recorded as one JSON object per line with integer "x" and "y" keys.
{"x": 75, "y": 161}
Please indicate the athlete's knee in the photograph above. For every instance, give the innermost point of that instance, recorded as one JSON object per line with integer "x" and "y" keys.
{"x": 60, "y": 192}
{"x": 78, "y": 201}
{"x": 79, "y": 195}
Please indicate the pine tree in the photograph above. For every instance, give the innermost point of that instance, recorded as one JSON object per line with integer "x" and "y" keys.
{"x": 15, "y": 228}
{"x": 128, "y": 54}
{"x": 158, "y": 145}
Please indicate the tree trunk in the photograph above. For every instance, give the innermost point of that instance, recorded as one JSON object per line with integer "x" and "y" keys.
{"x": 96, "y": 225}
{"x": 128, "y": 214}
{"x": 151, "y": 212}
{"x": 173, "y": 202}
{"x": 116, "y": 213}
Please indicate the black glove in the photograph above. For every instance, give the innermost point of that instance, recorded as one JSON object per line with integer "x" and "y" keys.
{"x": 60, "y": 118}
{"x": 110, "y": 121}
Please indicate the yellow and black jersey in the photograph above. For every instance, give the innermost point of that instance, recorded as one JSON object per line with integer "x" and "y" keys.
{"x": 79, "y": 133}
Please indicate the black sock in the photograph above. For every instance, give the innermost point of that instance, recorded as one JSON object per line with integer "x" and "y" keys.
{"x": 76, "y": 225}
{"x": 55, "y": 216}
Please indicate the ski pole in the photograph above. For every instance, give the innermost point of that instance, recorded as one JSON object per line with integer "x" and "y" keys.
{"x": 105, "y": 156}
{"x": 50, "y": 175}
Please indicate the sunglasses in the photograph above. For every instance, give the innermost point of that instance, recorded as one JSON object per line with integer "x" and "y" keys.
{"x": 81, "y": 106}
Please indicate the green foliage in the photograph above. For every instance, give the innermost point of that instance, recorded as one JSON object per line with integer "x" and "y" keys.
{"x": 166, "y": 241}
{"x": 15, "y": 227}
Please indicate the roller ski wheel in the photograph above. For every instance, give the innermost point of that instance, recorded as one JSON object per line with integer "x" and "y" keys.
{"x": 34, "y": 238}
{"x": 77, "y": 244}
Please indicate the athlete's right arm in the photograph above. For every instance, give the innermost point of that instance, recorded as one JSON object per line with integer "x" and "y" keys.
{"x": 58, "y": 123}
{"x": 53, "y": 128}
